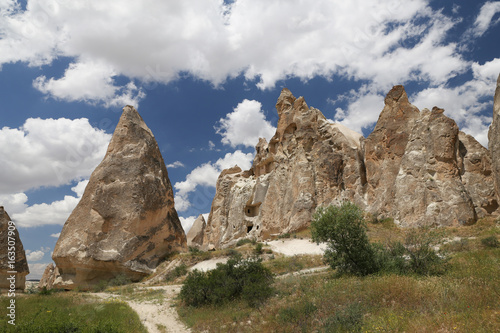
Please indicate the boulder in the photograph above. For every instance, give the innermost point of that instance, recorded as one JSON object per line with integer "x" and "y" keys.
{"x": 196, "y": 233}
{"x": 13, "y": 264}
{"x": 125, "y": 222}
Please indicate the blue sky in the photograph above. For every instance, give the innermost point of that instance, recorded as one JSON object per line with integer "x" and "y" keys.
{"x": 205, "y": 76}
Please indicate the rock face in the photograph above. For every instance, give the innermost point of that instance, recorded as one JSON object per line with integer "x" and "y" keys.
{"x": 125, "y": 222}
{"x": 196, "y": 233}
{"x": 308, "y": 162}
{"x": 415, "y": 167}
{"x": 494, "y": 139}
{"x": 49, "y": 275}
{"x": 12, "y": 256}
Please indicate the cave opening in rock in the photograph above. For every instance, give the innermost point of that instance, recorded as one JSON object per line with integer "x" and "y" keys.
{"x": 249, "y": 228}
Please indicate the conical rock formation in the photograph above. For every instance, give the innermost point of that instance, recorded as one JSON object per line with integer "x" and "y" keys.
{"x": 13, "y": 264}
{"x": 125, "y": 222}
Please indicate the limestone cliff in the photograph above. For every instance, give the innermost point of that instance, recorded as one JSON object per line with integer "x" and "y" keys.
{"x": 125, "y": 222}
{"x": 12, "y": 256}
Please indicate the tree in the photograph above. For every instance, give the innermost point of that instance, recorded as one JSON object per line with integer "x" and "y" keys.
{"x": 343, "y": 229}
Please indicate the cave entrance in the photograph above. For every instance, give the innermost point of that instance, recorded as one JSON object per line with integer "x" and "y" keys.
{"x": 252, "y": 210}
{"x": 249, "y": 228}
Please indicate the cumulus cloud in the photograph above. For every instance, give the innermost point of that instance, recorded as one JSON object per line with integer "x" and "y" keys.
{"x": 56, "y": 212}
{"x": 245, "y": 125}
{"x": 187, "y": 222}
{"x": 384, "y": 41}
{"x": 34, "y": 255}
{"x": 36, "y": 270}
{"x": 54, "y": 152}
{"x": 206, "y": 175}
{"x": 56, "y": 235}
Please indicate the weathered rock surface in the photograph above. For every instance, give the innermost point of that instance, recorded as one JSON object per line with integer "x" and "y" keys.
{"x": 49, "y": 276}
{"x": 125, "y": 222}
{"x": 12, "y": 256}
{"x": 415, "y": 167}
{"x": 196, "y": 233}
{"x": 494, "y": 139}
{"x": 308, "y": 162}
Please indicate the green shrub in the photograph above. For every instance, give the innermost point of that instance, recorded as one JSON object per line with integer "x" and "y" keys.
{"x": 120, "y": 280}
{"x": 194, "y": 250}
{"x": 344, "y": 231}
{"x": 423, "y": 259}
{"x": 490, "y": 241}
{"x": 247, "y": 279}
{"x": 258, "y": 249}
{"x": 243, "y": 241}
{"x": 178, "y": 271}
{"x": 349, "y": 319}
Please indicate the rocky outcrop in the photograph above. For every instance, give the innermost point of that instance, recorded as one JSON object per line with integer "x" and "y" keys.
{"x": 415, "y": 167}
{"x": 13, "y": 264}
{"x": 196, "y": 233}
{"x": 125, "y": 222}
{"x": 308, "y": 162}
{"x": 494, "y": 139}
{"x": 49, "y": 276}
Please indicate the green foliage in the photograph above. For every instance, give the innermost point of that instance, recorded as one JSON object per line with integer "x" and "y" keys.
{"x": 490, "y": 241}
{"x": 67, "y": 312}
{"x": 247, "y": 279}
{"x": 243, "y": 241}
{"x": 258, "y": 249}
{"x": 344, "y": 230}
{"x": 349, "y": 319}
{"x": 178, "y": 271}
{"x": 101, "y": 286}
{"x": 298, "y": 315}
{"x": 423, "y": 259}
{"x": 120, "y": 280}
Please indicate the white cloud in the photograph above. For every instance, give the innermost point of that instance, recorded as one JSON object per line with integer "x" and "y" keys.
{"x": 176, "y": 164}
{"x": 54, "y": 152}
{"x": 245, "y": 125}
{"x": 56, "y": 212}
{"x": 34, "y": 255}
{"x": 90, "y": 82}
{"x": 187, "y": 222}
{"x": 383, "y": 41}
{"x": 485, "y": 18}
{"x": 56, "y": 235}
{"x": 206, "y": 175}
{"x": 36, "y": 270}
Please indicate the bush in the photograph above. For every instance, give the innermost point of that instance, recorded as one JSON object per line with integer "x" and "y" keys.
{"x": 243, "y": 241}
{"x": 120, "y": 280}
{"x": 178, "y": 271}
{"x": 258, "y": 249}
{"x": 238, "y": 278}
{"x": 344, "y": 230}
{"x": 423, "y": 259}
{"x": 490, "y": 241}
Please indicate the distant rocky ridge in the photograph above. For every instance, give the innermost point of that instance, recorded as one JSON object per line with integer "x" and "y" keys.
{"x": 11, "y": 244}
{"x": 415, "y": 167}
{"x": 125, "y": 222}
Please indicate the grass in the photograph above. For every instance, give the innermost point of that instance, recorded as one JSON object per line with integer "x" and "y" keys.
{"x": 466, "y": 298}
{"x": 70, "y": 312}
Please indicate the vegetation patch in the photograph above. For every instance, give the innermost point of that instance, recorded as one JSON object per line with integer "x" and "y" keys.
{"x": 70, "y": 312}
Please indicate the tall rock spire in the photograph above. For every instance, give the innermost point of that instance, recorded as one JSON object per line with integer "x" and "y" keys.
{"x": 494, "y": 139}
{"x": 125, "y": 222}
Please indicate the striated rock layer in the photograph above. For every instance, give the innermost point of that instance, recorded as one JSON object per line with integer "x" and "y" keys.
{"x": 125, "y": 222}
{"x": 415, "y": 167}
{"x": 13, "y": 264}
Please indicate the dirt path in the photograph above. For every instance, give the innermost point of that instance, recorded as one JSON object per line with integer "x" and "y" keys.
{"x": 158, "y": 316}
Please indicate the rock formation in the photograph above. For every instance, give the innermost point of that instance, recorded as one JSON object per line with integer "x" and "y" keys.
{"x": 415, "y": 167}
{"x": 13, "y": 264}
{"x": 49, "y": 276}
{"x": 308, "y": 162}
{"x": 125, "y": 222}
{"x": 196, "y": 233}
{"x": 494, "y": 139}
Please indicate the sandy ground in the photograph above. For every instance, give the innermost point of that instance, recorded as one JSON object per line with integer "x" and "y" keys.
{"x": 291, "y": 247}
{"x": 156, "y": 316}
{"x": 208, "y": 265}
